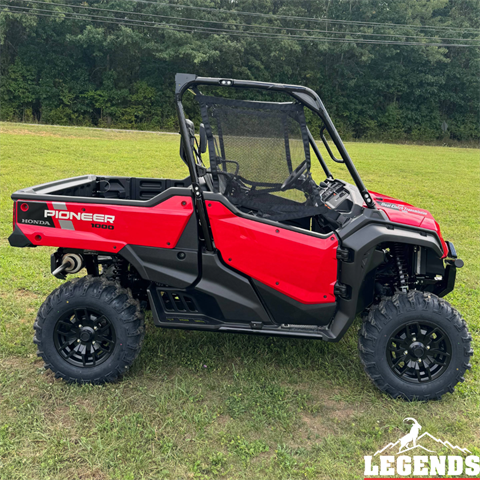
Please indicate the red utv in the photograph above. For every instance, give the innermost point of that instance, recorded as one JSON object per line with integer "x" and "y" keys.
{"x": 248, "y": 243}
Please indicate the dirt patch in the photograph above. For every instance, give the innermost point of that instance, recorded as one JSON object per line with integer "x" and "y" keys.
{"x": 59, "y": 418}
{"x": 29, "y": 320}
{"x": 49, "y": 377}
{"x": 324, "y": 401}
{"x": 338, "y": 410}
{"x": 27, "y": 298}
{"x": 14, "y": 363}
{"x": 86, "y": 404}
{"x": 345, "y": 413}
{"x": 26, "y": 294}
{"x": 314, "y": 426}
{"x": 222, "y": 420}
{"x": 327, "y": 421}
{"x": 323, "y": 417}
{"x": 263, "y": 456}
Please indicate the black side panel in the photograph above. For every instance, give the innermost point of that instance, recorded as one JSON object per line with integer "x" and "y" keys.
{"x": 234, "y": 294}
{"x": 176, "y": 267}
{"x": 448, "y": 282}
{"x": 147, "y": 188}
{"x": 285, "y": 310}
{"x": 189, "y": 237}
{"x": 434, "y": 263}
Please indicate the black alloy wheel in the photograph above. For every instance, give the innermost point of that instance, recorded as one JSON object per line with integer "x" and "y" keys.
{"x": 415, "y": 345}
{"x": 419, "y": 352}
{"x": 89, "y": 330}
{"x": 84, "y": 337}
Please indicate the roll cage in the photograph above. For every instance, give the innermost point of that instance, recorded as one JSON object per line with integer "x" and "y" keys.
{"x": 303, "y": 95}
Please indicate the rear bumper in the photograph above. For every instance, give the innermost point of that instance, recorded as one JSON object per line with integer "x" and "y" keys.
{"x": 18, "y": 239}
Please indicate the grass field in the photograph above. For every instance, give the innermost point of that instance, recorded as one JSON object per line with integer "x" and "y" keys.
{"x": 200, "y": 405}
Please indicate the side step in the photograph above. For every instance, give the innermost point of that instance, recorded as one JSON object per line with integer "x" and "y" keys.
{"x": 297, "y": 331}
{"x": 176, "y": 309}
{"x": 170, "y": 307}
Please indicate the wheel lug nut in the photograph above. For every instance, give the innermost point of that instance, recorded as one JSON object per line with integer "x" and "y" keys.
{"x": 419, "y": 360}
{"x": 406, "y": 352}
{"x": 414, "y": 339}
{"x": 78, "y": 341}
{"x": 95, "y": 328}
{"x": 428, "y": 347}
{"x": 93, "y": 343}
{"x": 80, "y": 326}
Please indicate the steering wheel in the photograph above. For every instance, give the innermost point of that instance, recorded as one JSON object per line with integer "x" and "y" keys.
{"x": 294, "y": 176}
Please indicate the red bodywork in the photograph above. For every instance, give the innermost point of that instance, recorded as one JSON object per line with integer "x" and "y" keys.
{"x": 406, "y": 214}
{"x": 303, "y": 267}
{"x": 157, "y": 226}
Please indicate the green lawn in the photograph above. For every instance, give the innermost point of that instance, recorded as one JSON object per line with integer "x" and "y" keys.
{"x": 204, "y": 405}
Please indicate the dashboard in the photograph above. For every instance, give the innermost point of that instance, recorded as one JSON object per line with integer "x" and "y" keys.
{"x": 342, "y": 199}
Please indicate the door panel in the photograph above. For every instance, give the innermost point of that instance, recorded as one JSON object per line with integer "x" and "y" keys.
{"x": 303, "y": 267}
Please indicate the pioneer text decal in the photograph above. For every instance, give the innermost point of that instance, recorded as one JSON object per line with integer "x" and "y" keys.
{"x": 86, "y": 217}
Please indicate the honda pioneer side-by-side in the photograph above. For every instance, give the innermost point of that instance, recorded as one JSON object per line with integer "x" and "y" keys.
{"x": 250, "y": 243}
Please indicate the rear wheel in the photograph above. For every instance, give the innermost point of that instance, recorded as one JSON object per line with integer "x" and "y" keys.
{"x": 415, "y": 345}
{"x": 89, "y": 330}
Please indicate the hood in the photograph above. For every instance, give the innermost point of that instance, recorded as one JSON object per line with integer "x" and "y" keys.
{"x": 406, "y": 214}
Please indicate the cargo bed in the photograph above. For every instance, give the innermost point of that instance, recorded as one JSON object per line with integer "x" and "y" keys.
{"x": 101, "y": 189}
{"x": 102, "y": 213}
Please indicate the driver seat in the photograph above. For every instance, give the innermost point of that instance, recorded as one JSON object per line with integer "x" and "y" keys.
{"x": 222, "y": 181}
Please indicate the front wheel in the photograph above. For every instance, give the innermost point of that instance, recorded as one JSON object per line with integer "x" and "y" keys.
{"x": 89, "y": 330}
{"x": 415, "y": 345}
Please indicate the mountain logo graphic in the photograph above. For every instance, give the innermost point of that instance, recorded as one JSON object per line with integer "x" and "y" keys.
{"x": 411, "y": 441}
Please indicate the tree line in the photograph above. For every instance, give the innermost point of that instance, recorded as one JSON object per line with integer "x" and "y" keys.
{"x": 390, "y": 69}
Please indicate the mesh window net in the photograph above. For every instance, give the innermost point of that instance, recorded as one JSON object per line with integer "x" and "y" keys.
{"x": 254, "y": 147}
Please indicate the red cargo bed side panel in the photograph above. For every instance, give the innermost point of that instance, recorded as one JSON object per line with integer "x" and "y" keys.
{"x": 303, "y": 267}
{"x": 104, "y": 227}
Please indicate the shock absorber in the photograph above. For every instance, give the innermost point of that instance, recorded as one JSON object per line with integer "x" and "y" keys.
{"x": 119, "y": 268}
{"x": 402, "y": 266}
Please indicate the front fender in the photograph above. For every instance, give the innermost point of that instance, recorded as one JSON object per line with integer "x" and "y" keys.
{"x": 363, "y": 259}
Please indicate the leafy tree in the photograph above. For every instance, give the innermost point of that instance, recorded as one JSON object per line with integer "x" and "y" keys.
{"x": 86, "y": 71}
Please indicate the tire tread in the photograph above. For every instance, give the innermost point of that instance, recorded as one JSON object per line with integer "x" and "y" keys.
{"x": 384, "y": 312}
{"x": 112, "y": 293}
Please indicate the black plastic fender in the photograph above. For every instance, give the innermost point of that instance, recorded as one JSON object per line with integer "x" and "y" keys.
{"x": 363, "y": 259}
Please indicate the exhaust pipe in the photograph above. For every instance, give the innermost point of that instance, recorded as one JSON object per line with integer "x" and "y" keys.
{"x": 71, "y": 263}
